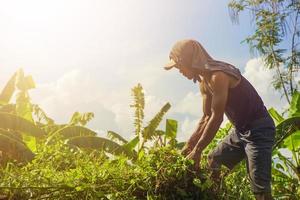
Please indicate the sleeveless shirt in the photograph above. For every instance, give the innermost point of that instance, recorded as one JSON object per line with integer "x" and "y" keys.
{"x": 244, "y": 105}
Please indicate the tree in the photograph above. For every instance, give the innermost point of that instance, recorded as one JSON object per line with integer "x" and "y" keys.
{"x": 276, "y": 22}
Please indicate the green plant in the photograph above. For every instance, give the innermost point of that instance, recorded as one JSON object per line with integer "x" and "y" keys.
{"x": 286, "y": 167}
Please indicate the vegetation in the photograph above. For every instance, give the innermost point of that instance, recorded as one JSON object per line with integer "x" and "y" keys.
{"x": 276, "y": 38}
{"x": 43, "y": 160}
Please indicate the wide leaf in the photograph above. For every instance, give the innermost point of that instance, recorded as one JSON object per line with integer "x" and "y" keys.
{"x": 294, "y": 109}
{"x": 149, "y": 130}
{"x": 116, "y": 137}
{"x": 275, "y": 115}
{"x": 171, "y": 128}
{"x": 292, "y": 121}
{"x": 132, "y": 143}
{"x": 12, "y": 134}
{"x": 292, "y": 142}
{"x": 71, "y": 131}
{"x": 16, "y": 149}
{"x": 99, "y": 143}
{"x": 14, "y": 122}
{"x": 8, "y": 90}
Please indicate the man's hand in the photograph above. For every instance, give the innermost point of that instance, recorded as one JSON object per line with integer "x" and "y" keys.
{"x": 196, "y": 157}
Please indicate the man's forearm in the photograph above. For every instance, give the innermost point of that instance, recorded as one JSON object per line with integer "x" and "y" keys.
{"x": 198, "y": 132}
{"x": 208, "y": 134}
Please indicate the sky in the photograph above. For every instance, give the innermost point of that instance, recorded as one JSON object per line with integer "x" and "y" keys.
{"x": 86, "y": 55}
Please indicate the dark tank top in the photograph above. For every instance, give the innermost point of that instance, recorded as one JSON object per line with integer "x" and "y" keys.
{"x": 244, "y": 105}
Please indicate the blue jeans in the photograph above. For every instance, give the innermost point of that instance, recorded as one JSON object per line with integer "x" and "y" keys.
{"x": 253, "y": 144}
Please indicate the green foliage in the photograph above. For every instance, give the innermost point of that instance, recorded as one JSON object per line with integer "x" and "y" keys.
{"x": 132, "y": 143}
{"x": 14, "y": 122}
{"x": 171, "y": 128}
{"x": 293, "y": 141}
{"x": 23, "y": 105}
{"x": 294, "y": 109}
{"x": 286, "y": 169}
{"x": 8, "y": 90}
{"x": 74, "y": 163}
{"x": 274, "y": 22}
{"x": 275, "y": 115}
{"x": 59, "y": 172}
{"x": 287, "y": 127}
{"x": 99, "y": 143}
{"x": 116, "y": 137}
{"x": 15, "y": 149}
{"x": 235, "y": 184}
{"x": 149, "y": 130}
{"x": 41, "y": 116}
{"x": 69, "y": 132}
{"x": 81, "y": 119}
{"x": 139, "y": 105}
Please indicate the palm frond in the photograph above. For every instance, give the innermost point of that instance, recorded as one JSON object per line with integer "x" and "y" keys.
{"x": 116, "y": 137}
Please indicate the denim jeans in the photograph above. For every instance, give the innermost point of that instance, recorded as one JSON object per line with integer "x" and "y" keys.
{"x": 254, "y": 144}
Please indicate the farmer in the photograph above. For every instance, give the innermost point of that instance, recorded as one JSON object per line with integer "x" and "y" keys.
{"x": 225, "y": 90}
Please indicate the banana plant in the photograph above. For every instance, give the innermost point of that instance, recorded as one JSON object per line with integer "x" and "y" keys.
{"x": 287, "y": 126}
{"x": 168, "y": 137}
{"x": 13, "y": 128}
{"x": 14, "y": 149}
{"x": 23, "y": 104}
{"x": 8, "y": 90}
{"x": 287, "y": 168}
{"x": 81, "y": 118}
{"x": 13, "y": 122}
{"x": 16, "y": 117}
{"x": 148, "y": 132}
{"x": 142, "y": 133}
{"x": 116, "y": 137}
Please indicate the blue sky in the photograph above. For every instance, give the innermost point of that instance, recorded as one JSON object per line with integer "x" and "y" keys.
{"x": 86, "y": 55}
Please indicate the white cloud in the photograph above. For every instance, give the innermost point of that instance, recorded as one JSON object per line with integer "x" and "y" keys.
{"x": 191, "y": 104}
{"x": 186, "y": 128}
{"x": 261, "y": 79}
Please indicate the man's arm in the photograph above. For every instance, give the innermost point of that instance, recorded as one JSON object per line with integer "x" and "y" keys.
{"x": 220, "y": 85}
{"x": 206, "y": 107}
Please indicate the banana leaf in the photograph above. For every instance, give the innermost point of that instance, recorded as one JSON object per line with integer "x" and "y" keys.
{"x": 14, "y": 122}
{"x": 71, "y": 131}
{"x": 99, "y": 143}
{"x": 15, "y": 149}
{"x": 8, "y": 90}
{"x": 292, "y": 142}
{"x": 275, "y": 115}
{"x": 294, "y": 109}
{"x": 131, "y": 144}
{"x": 116, "y": 137}
{"x": 171, "y": 128}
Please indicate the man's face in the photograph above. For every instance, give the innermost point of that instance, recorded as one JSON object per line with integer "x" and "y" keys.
{"x": 187, "y": 72}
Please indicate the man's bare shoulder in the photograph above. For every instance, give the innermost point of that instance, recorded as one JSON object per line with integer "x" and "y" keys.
{"x": 222, "y": 77}
{"x": 219, "y": 75}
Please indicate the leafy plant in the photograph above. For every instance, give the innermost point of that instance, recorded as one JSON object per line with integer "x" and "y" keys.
{"x": 274, "y": 22}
